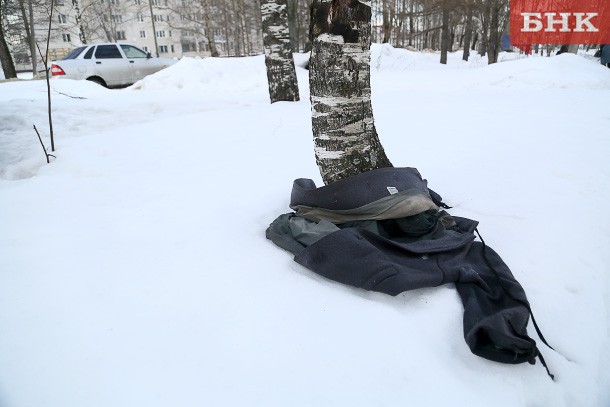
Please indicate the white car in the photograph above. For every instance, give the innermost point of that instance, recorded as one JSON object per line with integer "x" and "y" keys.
{"x": 111, "y": 65}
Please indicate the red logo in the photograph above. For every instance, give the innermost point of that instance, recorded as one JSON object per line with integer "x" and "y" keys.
{"x": 560, "y": 21}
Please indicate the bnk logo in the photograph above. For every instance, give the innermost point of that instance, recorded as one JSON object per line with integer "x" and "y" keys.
{"x": 560, "y": 21}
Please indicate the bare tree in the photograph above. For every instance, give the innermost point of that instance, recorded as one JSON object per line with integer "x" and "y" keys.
{"x": 345, "y": 139}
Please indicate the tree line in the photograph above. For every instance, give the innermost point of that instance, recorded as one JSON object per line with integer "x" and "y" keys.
{"x": 234, "y": 27}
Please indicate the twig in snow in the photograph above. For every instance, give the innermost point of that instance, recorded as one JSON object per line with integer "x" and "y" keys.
{"x": 43, "y": 147}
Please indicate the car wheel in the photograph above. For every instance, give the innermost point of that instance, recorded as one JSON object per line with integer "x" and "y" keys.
{"x": 98, "y": 80}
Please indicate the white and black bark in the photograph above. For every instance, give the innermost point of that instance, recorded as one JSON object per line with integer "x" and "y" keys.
{"x": 281, "y": 74}
{"x": 345, "y": 139}
{"x": 6, "y": 59}
{"x": 82, "y": 36}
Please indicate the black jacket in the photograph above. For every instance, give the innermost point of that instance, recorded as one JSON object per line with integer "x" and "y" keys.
{"x": 421, "y": 250}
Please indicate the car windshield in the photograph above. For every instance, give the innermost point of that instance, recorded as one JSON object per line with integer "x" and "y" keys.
{"x": 74, "y": 53}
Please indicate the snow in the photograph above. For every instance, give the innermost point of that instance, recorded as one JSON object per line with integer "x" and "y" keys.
{"x": 135, "y": 271}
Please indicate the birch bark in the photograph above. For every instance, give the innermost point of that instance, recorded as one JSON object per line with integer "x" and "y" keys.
{"x": 6, "y": 59}
{"x": 345, "y": 139}
{"x": 281, "y": 74}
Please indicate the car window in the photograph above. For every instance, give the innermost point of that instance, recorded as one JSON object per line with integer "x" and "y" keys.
{"x": 107, "y": 52}
{"x": 133, "y": 52}
{"x": 74, "y": 53}
{"x": 89, "y": 53}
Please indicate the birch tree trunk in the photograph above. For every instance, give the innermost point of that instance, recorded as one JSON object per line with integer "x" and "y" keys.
{"x": 281, "y": 74}
{"x": 79, "y": 22}
{"x": 345, "y": 140}
{"x": 6, "y": 59}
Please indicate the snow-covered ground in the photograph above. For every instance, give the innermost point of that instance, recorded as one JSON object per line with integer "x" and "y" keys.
{"x": 134, "y": 270}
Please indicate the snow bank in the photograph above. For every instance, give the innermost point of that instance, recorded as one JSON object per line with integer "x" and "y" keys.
{"x": 209, "y": 75}
{"x": 135, "y": 271}
{"x": 411, "y": 70}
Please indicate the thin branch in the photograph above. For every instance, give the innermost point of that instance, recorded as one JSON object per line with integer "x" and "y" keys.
{"x": 65, "y": 94}
{"x": 44, "y": 149}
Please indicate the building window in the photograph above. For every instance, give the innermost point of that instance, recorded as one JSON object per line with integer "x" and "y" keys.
{"x": 116, "y": 18}
{"x": 65, "y": 37}
{"x": 161, "y": 34}
{"x": 63, "y": 19}
{"x": 120, "y": 35}
{"x": 137, "y": 2}
{"x": 141, "y": 17}
{"x": 158, "y": 17}
{"x": 170, "y": 33}
{"x": 142, "y": 34}
{"x": 163, "y": 49}
{"x": 156, "y": 2}
{"x": 172, "y": 48}
{"x": 186, "y": 47}
{"x": 59, "y": 3}
{"x": 146, "y": 49}
{"x": 114, "y": 1}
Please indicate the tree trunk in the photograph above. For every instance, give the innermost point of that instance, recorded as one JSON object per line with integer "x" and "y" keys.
{"x": 411, "y": 23}
{"x": 386, "y": 21}
{"x": 154, "y": 28}
{"x": 79, "y": 22}
{"x": 281, "y": 74}
{"x": 28, "y": 16}
{"x": 6, "y": 60}
{"x": 468, "y": 34}
{"x": 345, "y": 140}
{"x": 33, "y": 47}
{"x": 208, "y": 27}
{"x": 493, "y": 44}
{"x": 291, "y": 8}
{"x": 445, "y": 35}
{"x": 485, "y": 28}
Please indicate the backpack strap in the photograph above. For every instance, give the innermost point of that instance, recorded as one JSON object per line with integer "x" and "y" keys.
{"x": 526, "y": 305}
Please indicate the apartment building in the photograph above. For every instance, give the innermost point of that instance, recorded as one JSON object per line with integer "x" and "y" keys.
{"x": 168, "y": 28}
